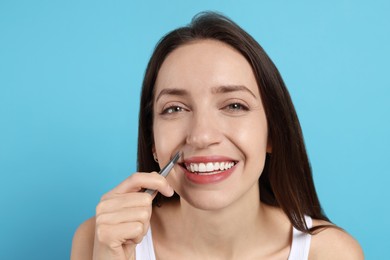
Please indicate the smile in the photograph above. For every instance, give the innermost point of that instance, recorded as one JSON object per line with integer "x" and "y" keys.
{"x": 208, "y": 168}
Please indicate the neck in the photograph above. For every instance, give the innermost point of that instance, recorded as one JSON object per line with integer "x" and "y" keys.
{"x": 224, "y": 232}
{"x": 245, "y": 226}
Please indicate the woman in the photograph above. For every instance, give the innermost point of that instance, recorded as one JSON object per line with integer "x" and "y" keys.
{"x": 242, "y": 188}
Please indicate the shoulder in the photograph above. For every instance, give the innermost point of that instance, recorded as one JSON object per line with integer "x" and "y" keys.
{"x": 83, "y": 239}
{"x": 334, "y": 243}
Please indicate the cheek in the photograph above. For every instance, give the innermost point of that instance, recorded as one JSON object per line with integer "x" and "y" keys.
{"x": 252, "y": 133}
{"x": 251, "y": 137}
{"x": 167, "y": 139}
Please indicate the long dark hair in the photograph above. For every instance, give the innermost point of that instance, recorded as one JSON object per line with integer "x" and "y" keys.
{"x": 286, "y": 181}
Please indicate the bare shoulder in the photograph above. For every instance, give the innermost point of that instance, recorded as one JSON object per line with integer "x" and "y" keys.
{"x": 83, "y": 239}
{"x": 334, "y": 243}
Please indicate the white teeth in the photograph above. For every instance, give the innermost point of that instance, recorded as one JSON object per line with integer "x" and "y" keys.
{"x": 222, "y": 166}
{"x": 216, "y": 166}
{"x": 228, "y": 165}
{"x": 209, "y": 167}
{"x": 202, "y": 167}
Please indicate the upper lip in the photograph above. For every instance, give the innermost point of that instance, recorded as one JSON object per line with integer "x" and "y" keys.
{"x": 206, "y": 159}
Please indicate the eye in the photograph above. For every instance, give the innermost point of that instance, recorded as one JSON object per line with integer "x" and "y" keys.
{"x": 236, "y": 107}
{"x": 172, "y": 110}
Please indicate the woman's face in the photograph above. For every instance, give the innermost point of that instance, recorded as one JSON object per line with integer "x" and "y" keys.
{"x": 207, "y": 105}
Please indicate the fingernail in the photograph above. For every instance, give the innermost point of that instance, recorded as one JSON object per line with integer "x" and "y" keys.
{"x": 172, "y": 192}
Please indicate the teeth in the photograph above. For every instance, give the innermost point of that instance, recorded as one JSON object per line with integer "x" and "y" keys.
{"x": 222, "y": 166}
{"x": 202, "y": 167}
{"x": 209, "y": 167}
{"x": 216, "y": 166}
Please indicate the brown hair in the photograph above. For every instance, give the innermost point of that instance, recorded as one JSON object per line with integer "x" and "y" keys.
{"x": 286, "y": 181}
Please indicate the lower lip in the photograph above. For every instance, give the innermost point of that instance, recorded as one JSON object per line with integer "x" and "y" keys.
{"x": 207, "y": 179}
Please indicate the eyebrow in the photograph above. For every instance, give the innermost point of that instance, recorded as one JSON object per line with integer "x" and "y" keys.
{"x": 214, "y": 90}
{"x": 232, "y": 88}
{"x": 172, "y": 92}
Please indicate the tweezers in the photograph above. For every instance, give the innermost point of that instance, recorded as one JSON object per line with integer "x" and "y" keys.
{"x": 164, "y": 171}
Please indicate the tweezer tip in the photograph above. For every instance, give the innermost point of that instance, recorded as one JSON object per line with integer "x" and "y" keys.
{"x": 176, "y": 157}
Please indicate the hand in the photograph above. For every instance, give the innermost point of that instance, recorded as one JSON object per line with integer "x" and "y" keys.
{"x": 123, "y": 216}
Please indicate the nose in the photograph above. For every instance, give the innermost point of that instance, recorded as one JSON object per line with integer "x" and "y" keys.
{"x": 204, "y": 131}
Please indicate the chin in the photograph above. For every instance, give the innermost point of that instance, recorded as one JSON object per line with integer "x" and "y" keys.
{"x": 207, "y": 200}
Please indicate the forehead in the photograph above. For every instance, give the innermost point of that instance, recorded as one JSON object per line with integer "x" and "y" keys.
{"x": 205, "y": 63}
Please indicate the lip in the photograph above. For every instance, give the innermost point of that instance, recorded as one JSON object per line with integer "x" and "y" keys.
{"x": 206, "y": 159}
{"x": 207, "y": 179}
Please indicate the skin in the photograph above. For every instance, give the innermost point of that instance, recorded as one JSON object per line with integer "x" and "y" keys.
{"x": 208, "y": 106}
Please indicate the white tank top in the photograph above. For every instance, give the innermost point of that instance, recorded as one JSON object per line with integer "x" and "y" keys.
{"x": 300, "y": 245}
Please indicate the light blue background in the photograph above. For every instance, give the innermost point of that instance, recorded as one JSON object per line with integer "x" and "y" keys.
{"x": 70, "y": 76}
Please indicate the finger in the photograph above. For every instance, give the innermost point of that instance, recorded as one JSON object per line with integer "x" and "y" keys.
{"x": 127, "y": 200}
{"x": 139, "y": 181}
{"x": 114, "y": 236}
{"x": 125, "y": 215}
